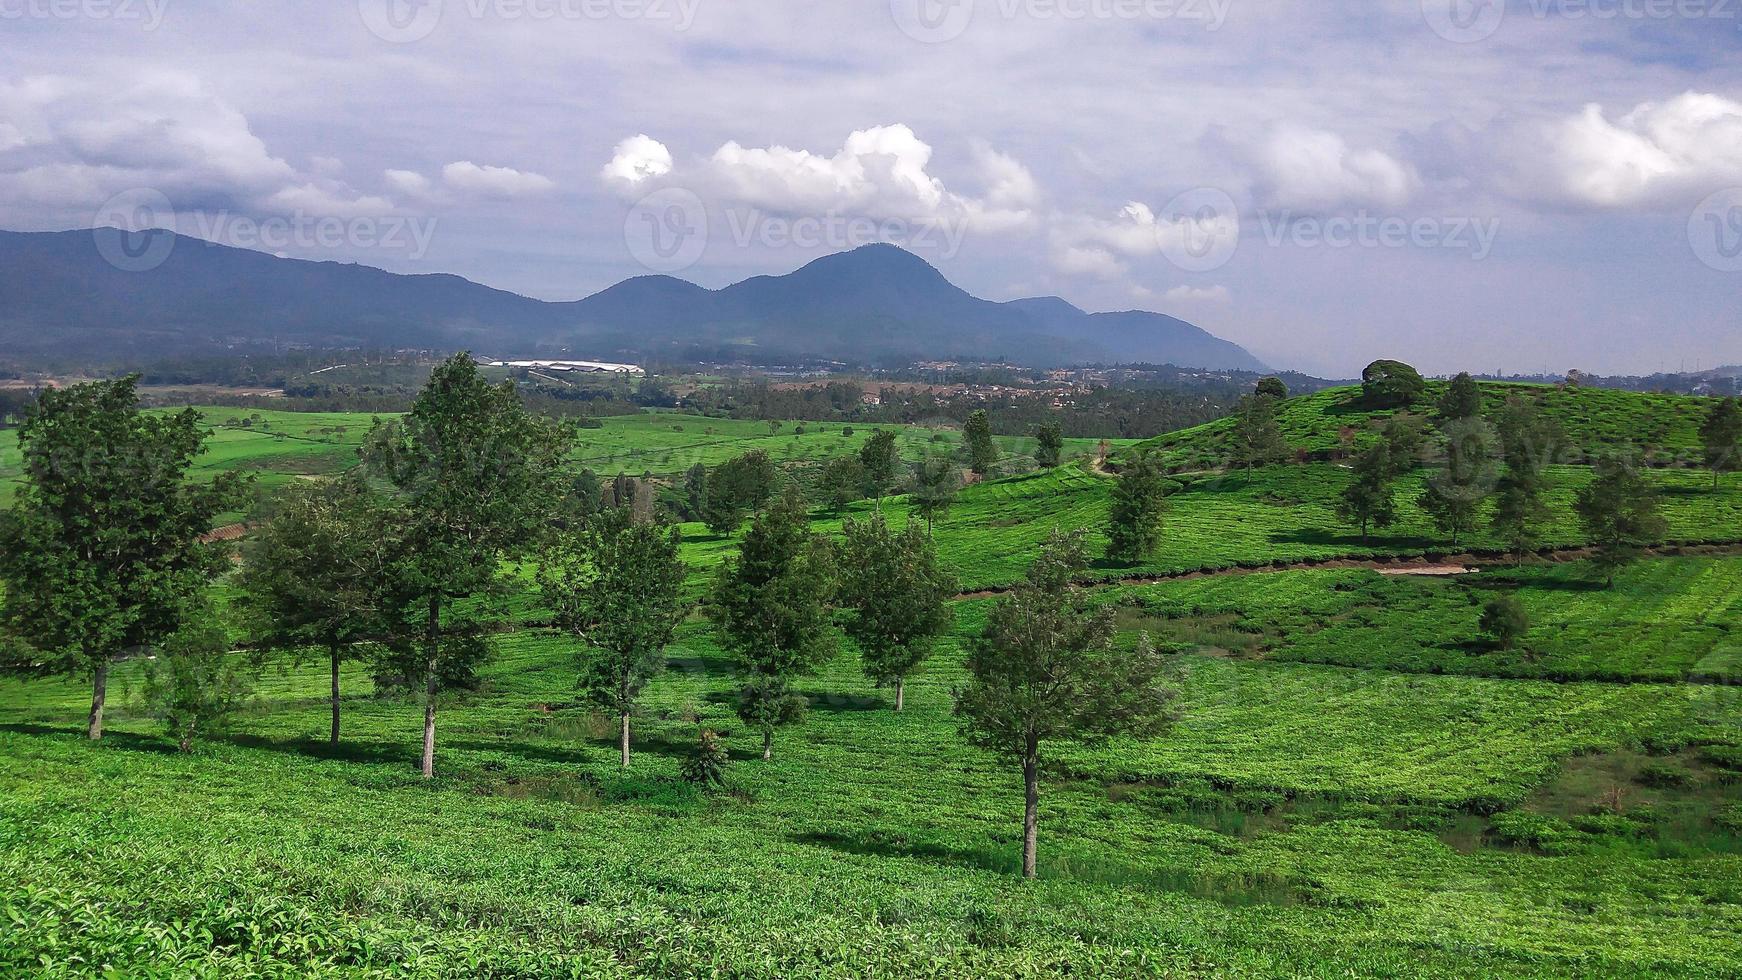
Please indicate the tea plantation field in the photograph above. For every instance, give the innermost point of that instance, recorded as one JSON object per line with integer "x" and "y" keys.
{"x": 1358, "y": 782}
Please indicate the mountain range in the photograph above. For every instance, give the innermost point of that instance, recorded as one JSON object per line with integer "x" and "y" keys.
{"x": 877, "y": 303}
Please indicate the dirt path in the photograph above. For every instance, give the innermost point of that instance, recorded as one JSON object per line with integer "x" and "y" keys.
{"x": 1440, "y": 565}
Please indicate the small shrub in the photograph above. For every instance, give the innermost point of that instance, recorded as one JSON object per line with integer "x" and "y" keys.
{"x": 1505, "y": 622}
{"x": 1664, "y": 775}
{"x": 705, "y": 768}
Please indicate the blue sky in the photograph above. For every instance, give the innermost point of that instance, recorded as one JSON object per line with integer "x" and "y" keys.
{"x": 1545, "y": 184}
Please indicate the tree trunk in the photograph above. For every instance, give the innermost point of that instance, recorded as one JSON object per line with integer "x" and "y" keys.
{"x": 625, "y": 739}
{"x": 767, "y": 744}
{"x": 99, "y": 692}
{"x": 900, "y": 691}
{"x": 429, "y": 688}
{"x": 1031, "y": 809}
{"x": 333, "y": 740}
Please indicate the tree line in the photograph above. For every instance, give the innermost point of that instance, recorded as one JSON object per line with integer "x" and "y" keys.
{"x": 404, "y": 565}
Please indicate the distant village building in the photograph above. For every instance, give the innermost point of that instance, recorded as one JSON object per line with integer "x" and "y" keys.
{"x": 583, "y": 367}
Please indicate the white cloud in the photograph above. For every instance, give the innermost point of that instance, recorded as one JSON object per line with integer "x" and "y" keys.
{"x": 326, "y": 200}
{"x": 1198, "y": 294}
{"x": 464, "y": 175}
{"x": 636, "y": 159}
{"x": 407, "y": 182}
{"x": 882, "y": 172}
{"x": 1656, "y": 151}
{"x": 1298, "y": 167}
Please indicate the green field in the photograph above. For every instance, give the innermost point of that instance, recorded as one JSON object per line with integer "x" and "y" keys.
{"x": 1358, "y": 784}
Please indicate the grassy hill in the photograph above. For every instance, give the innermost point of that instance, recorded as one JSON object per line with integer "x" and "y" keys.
{"x": 1335, "y": 422}
{"x": 1357, "y": 784}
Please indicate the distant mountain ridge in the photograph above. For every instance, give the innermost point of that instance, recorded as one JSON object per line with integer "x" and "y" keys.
{"x": 874, "y": 303}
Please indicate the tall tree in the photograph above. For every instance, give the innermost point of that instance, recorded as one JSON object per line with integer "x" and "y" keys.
{"x": 772, "y": 605}
{"x": 1045, "y": 668}
{"x": 878, "y": 459}
{"x": 616, "y": 586}
{"x": 1369, "y": 501}
{"x": 977, "y": 441}
{"x": 897, "y": 596}
{"x": 1049, "y": 445}
{"x": 317, "y": 574}
{"x": 695, "y": 492}
{"x": 476, "y": 475}
{"x": 936, "y": 481}
{"x": 1619, "y": 512}
{"x": 737, "y": 487}
{"x": 1391, "y": 384}
{"x": 1721, "y": 436}
{"x": 1455, "y": 493}
{"x": 102, "y": 551}
{"x": 1462, "y": 400}
{"x": 1258, "y": 439}
{"x": 1271, "y": 387}
{"x": 1528, "y": 444}
{"x": 843, "y": 481}
{"x": 1139, "y": 502}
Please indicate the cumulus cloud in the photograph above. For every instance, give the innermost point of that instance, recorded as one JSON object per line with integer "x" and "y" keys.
{"x": 881, "y": 172}
{"x": 636, "y": 159}
{"x": 1656, "y": 151}
{"x": 1301, "y": 168}
{"x": 74, "y": 142}
{"x": 408, "y": 182}
{"x": 466, "y": 176}
{"x": 1100, "y": 247}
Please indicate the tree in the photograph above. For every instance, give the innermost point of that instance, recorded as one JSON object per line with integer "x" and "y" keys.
{"x": 772, "y": 604}
{"x": 584, "y": 498}
{"x": 1455, "y": 493}
{"x": 977, "y": 440}
{"x": 695, "y": 492}
{"x": 1139, "y": 501}
{"x": 1527, "y": 445}
{"x": 1049, "y": 445}
{"x": 1462, "y": 400}
{"x": 705, "y": 768}
{"x": 1721, "y": 435}
{"x": 1619, "y": 512}
{"x": 1271, "y": 387}
{"x": 317, "y": 574}
{"x": 1405, "y": 442}
{"x": 877, "y": 460}
{"x": 1045, "y": 668}
{"x": 936, "y": 481}
{"x": 102, "y": 548}
{"x": 616, "y": 586}
{"x": 843, "y": 481}
{"x": 737, "y": 487}
{"x": 1391, "y": 384}
{"x": 1258, "y": 439}
{"x": 194, "y": 684}
{"x": 1369, "y": 502}
{"x": 475, "y": 477}
{"x": 898, "y": 597}
{"x": 1505, "y": 621}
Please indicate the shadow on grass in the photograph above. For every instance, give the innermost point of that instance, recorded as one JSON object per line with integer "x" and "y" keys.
{"x": 373, "y": 753}
{"x": 130, "y": 741}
